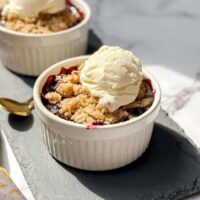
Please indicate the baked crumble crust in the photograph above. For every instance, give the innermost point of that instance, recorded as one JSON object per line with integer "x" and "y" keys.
{"x": 43, "y": 24}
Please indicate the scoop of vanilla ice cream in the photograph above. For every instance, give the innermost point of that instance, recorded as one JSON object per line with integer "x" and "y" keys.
{"x": 31, "y": 8}
{"x": 114, "y": 75}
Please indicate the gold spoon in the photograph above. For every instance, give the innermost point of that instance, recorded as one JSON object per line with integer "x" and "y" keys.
{"x": 21, "y": 109}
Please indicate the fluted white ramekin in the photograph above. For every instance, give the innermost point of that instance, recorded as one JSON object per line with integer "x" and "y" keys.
{"x": 31, "y": 54}
{"x": 100, "y": 147}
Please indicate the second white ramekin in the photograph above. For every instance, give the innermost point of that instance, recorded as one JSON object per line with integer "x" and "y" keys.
{"x": 102, "y": 147}
{"x": 31, "y": 54}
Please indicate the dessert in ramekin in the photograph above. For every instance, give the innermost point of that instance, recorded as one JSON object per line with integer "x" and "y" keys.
{"x": 90, "y": 144}
{"x": 30, "y": 46}
{"x": 67, "y": 98}
{"x": 40, "y": 17}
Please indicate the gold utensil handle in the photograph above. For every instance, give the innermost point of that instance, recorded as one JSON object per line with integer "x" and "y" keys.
{"x": 31, "y": 103}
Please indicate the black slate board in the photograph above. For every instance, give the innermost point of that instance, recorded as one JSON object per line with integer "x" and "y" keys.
{"x": 168, "y": 170}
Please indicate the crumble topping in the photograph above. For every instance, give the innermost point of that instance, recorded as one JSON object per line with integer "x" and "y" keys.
{"x": 43, "y": 24}
{"x": 64, "y": 96}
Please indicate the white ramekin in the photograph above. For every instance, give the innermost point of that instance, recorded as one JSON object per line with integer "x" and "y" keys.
{"x": 31, "y": 54}
{"x": 102, "y": 147}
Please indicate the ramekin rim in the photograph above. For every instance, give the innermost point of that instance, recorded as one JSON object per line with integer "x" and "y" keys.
{"x": 67, "y": 31}
{"x": 43, "y": 109}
